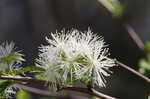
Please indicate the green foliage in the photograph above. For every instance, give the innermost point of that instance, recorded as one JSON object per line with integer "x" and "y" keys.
{"x": 12, "y": 57}
{"x": 6, "y": 64}
{"x": 3, "y": 67}
{"x": 28, "y": 69}
{"x": 145, "y": 62}
{"x": 4, "y": 85}
{"x": 88, "y": 80}
{"x": 62, "y": 55}
{"x": 9, "y": 59}
{"x": 23, "y": 95}
{"x": 144, "y": 66}
{"x": 82, "y": 60}
{"x": 9, "y": 62}
{"x": 22, "y": 70}
{"x": 147, "y": 46}
{"x": 118, "y": 8}
{"x": 42, "y": 76}
{"x": 4, "y": 92}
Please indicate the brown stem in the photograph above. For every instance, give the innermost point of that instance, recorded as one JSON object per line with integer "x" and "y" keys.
{"x": 77, "y": 89}
{"x": 90, "y": 92}
{"x": 24, "y": 79}
{"x": 134, "y": 36}
{"x": 133, "y": 71}
{"x": 37, "y": 91}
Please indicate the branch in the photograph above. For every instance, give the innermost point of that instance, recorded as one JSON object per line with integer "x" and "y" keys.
{"x": 92, "y": 92}
{"x": 107, "y": 5}
{"x": 134, "y": 36}
{"x": 24, "y": 79}
{"x": 37, "y": 91}
{"x": 62, "y": 87}
{"x": 132, "y": 71}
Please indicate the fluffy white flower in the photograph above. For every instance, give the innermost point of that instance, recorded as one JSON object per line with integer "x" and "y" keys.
{"x": 76, "y": 55}
{"x": 6, "y": 49}
{"x": 9, "y": 58}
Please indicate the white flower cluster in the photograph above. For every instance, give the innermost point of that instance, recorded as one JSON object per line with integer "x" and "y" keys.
{"x": 76, "y": 55}
{"x": 5, "y": 50}
{"x": 9, "y": 58}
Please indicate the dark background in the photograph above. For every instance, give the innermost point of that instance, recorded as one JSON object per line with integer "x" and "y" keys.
{"x": 27, "y": 22}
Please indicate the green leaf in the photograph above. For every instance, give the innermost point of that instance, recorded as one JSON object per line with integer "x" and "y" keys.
{"x": 42, "y": 76}
{"x": 62, "y": 55}
{"x": 6, "y": 62}
{"x": 28, "y": 69}
{"x": 23, "y": 95}
{"x": 118, "y": 8}
{"x": 87, "y": 79}
{"x": 3, "y": 67}
{"x": 82, "y": 60}
{"x": 147, "y": 46}
{"x": 13, "y": 57}
{"x": 3, "y": 86}
{"x": 144, "y": 65}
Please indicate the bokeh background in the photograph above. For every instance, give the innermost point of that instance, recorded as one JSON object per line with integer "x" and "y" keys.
{"x": 27, "y": 22}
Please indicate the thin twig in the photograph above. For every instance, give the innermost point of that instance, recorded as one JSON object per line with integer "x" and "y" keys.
{"x": 107, "y": 5}
{"x": 24, "y": 79}
{"x": 133, "y": 71}
{"x": 90, "y": 92}
{"x": 62, "y": 87}
{"x": 135, "y": 37}
{"x": 37, "y": 91}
